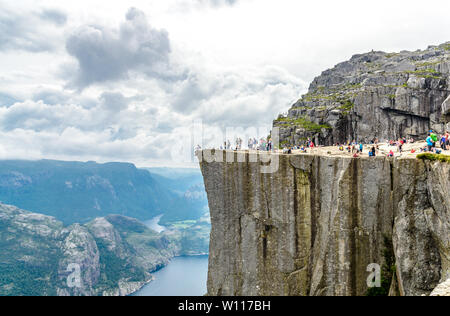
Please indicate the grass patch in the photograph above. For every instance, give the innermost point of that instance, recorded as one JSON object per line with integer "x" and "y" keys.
{"x": 446, "y": 47}
{"x": 428, "y": 64}
{"x": 390, "y": 55}
{"x": 426, "y": 73}
{"x": 303, "y": 122}
{"x": 434, "y": 157}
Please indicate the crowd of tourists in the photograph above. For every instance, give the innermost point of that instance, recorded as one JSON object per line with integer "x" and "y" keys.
{"x": 433, "y": 139}
{"x": 373, "y": 147}
{"x": 354, "y": 148}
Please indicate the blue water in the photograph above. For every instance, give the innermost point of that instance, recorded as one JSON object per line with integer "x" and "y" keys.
{"x": 183, "y": 276}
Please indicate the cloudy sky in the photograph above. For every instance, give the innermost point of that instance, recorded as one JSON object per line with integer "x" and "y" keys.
{"x": 125, "y": 80}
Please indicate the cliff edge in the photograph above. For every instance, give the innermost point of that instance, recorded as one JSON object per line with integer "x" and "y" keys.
{"x": 317, "y": 224}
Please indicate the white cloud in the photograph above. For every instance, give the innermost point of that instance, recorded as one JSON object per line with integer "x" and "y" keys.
{"x": 142, "y": 76}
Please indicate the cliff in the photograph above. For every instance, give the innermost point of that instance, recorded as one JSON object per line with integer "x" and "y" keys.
{"x": 315, "y": 225}
{"x": 374, "y": 95}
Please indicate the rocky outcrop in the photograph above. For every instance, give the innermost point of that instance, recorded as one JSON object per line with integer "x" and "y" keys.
{"x": 315, "y": 225}
{"x": 374, "y": 95}
{"x": 108, "y": 256}
{"x": 79, "y": 250}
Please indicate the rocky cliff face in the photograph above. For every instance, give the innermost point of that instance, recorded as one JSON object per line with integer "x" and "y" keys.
{"x": 111, "y": 255}
{"x": 314, "y": 226}
{"x": 374, "y": 95}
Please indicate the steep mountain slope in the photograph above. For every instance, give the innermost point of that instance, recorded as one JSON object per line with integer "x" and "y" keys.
{"x": 374, "y": 95}
{"x": 115, "y": 254}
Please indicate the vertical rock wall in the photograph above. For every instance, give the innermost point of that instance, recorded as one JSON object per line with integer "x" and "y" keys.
{"x": 314, "y": 226}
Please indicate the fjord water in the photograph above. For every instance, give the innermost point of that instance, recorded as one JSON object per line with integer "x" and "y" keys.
{"x": 183, "y": 276}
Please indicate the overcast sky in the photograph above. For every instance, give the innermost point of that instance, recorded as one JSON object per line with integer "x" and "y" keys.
{"x": 124, "y": 80}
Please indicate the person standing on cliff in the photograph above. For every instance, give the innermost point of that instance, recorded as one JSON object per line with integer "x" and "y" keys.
{"x": 434, "y": 138}
{"x": 443, "y": 142}
{"x": 447, "y": 140}
{"x": 429, "y": 141}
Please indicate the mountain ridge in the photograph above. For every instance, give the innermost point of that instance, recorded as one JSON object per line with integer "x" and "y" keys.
{"x": 373, "y": 95}
{"x": 115, "y": 255}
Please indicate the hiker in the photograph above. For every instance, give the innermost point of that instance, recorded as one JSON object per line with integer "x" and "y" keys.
{"x": 400, "y": 145}
{"x": 443, "y": 142}
{"x": 429, "y": 141}
{"x": 434, "y": 138}
{"x": 447, "y": 139}
{"x": 372, "y": 152}
{"x": 391, "y": 154}
{"x": 361, "y": 148}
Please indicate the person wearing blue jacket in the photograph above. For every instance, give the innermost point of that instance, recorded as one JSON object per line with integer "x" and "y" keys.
{"x": 430, "y": 143}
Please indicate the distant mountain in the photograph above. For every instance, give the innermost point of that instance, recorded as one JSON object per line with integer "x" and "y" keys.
{"x": 114, "y": 255}
{"x": 190, "y": 202}
{"x": 79, "y": 192}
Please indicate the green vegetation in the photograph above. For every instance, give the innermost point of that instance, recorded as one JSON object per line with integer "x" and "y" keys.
{"x": 434, "y": 157}
{"x": 335, "y": 94}
{"x": 303, "y": 122}
{"x": 428, "y": 64}
{"x": 28, "y": 261}
{"x": 426, "y": 73}
{"x": 115, "y": 268}
{"x": 390, "y": 55}
{"x": 346, "y": 106}
{"x": 183, "y": 224}
{"x": 387, "y": 270}
{"x": 391, "y": 96}
{"x": 191, "y": 237}
{"x": 22, "y": 279}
